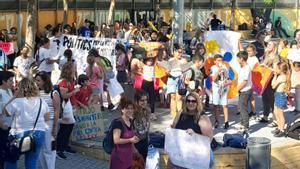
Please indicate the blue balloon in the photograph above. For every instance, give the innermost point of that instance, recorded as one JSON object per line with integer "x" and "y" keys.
{"x": 231, "y": 74}
{"x": 208, "y": 83}
{"x": 227, "y": 57}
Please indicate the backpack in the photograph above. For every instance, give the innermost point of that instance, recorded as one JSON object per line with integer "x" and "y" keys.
{"x": 182, "y": 87}
{"x": 293, "y": 130}
{"x": 108, "y": 141}
{"x": 235, "y": 140}
{"x": 56, "y": 88}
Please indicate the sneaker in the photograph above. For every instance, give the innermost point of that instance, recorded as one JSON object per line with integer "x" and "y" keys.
{"x": 226, "y": 126}
{"x": 111, "y": 106}
{"x": 279, "y": 134}
{"x": 102, "y": 108}
{"x": 216, "y": 124}
{"x": 276, "y": 131}
{"x": 252, "y": 114}
{"x": 273, "y": 124}
{"x": 263, "y": 120}
{"x": 70, "y": 151}
{"x": 61, "y": 155}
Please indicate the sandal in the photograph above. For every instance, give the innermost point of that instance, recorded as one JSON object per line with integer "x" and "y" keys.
{"x": 273, "y": 124}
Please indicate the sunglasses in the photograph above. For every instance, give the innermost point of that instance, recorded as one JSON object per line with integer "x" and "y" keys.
{"x": 191, "y": 101}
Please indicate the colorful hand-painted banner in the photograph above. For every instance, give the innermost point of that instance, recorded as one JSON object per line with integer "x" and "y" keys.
{"x": 261, "y": 77}
{"x": 226, "y": 44}
{"x": 89, "y": 123}
{"x": 7, "y": 47}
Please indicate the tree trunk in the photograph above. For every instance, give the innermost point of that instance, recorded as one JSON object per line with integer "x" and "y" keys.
{"x": 110, "y": 12}
{"x": 66, "y": 7}
{"x": 31, "y": 26}
{"x": 232, "y": 14}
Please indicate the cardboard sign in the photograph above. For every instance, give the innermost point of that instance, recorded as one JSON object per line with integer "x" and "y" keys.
{"x": 7, "y": 47}
{"x": 89, "y": 123}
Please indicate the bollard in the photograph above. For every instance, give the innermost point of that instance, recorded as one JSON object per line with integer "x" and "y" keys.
{"x": 258, "y": 153}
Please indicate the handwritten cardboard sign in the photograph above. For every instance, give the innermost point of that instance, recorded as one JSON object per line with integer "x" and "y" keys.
{"x": 89, "y": 123}
{"x": 7, "y": 47}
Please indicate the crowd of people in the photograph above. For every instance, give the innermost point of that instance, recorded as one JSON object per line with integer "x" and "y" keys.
{"x": 28, "y": 97}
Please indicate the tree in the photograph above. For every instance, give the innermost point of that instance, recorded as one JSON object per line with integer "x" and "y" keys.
{"x": 31, "y": 25}
{"x": 66, "y": 7}
{"x": 233, "y": 5}
{"x": 110, "y": 12}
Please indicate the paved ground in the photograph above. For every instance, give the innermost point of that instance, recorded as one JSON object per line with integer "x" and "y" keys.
{"x": 75, "y": 161}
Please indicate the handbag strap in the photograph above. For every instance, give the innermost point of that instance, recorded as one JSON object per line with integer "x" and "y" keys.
{"x": 37, "y": 118}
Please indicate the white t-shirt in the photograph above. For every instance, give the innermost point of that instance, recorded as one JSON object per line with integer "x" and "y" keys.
{"x": 245, "y": 74}
{"x": 43, "y": 56}
{"x": 23, "y": 65}
{"x": 5, "y": 96}
{"x": 55, "y": 43}
{"x": 252, "y": 61}
{"x": 24, "y": 112}
{"x": 148, "y": 72}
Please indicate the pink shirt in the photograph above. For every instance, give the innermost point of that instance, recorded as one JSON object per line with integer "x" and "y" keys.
{"x": 94, "y": 80}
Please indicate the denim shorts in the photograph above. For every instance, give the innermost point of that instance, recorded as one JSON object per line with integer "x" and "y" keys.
{"x": 172, "y": 84}
{"x": 280, "y": 100}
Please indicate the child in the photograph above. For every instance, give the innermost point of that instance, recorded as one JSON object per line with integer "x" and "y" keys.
{"x": 83, "y": 97}
{"x": 281, "y": 84}
{"x": 244, "y": 88}
{"x": 94, "y": 74}
{"x": 252, "y": 61}
{"x": 219, "y": 75}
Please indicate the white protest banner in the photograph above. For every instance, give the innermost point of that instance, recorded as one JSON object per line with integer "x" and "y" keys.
{"x": 80, "y": 47}
{"x": 89, "y": 123}
{"x": 188, "y": 151}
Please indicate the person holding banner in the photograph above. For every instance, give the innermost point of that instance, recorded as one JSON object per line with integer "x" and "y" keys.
{"x": 191, "y": 120}
{"x": 271, "y": 59}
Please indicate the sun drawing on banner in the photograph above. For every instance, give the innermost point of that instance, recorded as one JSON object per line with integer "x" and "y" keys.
{"x": 212, "y": 47}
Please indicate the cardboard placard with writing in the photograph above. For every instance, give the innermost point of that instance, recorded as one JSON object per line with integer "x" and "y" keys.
{"x": 89, "y": 123}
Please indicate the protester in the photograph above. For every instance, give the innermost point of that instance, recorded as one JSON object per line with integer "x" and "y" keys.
{"x": 260, "y": 45}
{"x": 244, "y": 88}
{"x": 191, "y": 120}
{"x": 3, "y": 60}
{"x": 121, "y": 64}
{"x": 6, "y": 87}
{"x": 68, "y": 92}
{"x": 281, "y": 84}
{"x": 141, "y": 122}
{"x": 271, "y": 59}
{"x": 194, "y": 76}
{"x": 279, "y": 29}
{"x": 22, "y": 64}
{"x": 197, "y": 39}
{"x": 95, "y": 74}
{"x": 84, "y": 96}
{"x": 29, "y": 113}
{"x": 252, "y": 61}
{"x": 215, "y": 23}
{"x": 220, "y": 87}
{"x": 148, "y": 83}
{"x": 283, "y": 48}
{"x": 44, "y": 59}
{"x": 85, "y": 30}
{"x": 124, "y": 137}
{"x": 173, "y": 81}
{"x": 52, "y": 98}
{"x": 295, "y": 83}
{"x": 297, "y": 36}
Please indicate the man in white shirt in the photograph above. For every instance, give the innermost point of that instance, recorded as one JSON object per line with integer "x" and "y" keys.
{"x": 22, "y": 64}
{"x": 6, "y": 85}
{"x": 244, "y": 88}
{"x": 44, "y": 58}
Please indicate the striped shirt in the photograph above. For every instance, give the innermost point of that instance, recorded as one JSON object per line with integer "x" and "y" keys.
{"x": 47, "y": 98}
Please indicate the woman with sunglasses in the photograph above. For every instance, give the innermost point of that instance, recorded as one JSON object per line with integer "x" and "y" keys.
{"x": 48, "y": 155}
{"x": 191, "y": 120}
{"x": 141, "y": 122}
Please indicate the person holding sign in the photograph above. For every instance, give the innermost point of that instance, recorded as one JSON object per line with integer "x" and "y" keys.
{"x": 124, "y": 137}
{"x": 191, "y": 120}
